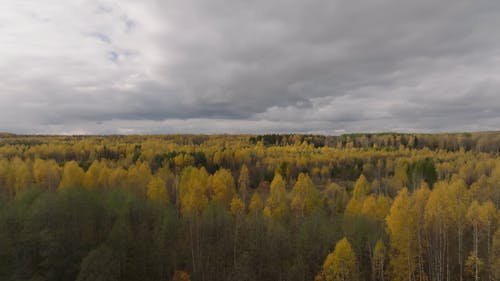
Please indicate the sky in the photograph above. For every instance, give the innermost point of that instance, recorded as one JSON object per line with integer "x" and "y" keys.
{"x": 239, "y": 66}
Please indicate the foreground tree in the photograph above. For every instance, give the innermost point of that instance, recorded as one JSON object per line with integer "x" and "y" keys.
{"x": 495, "y": 256}
{"x": 244, "y": 183}
{"x": 360, "y": 191}
{"x": 277, "y": 203}
{"x": 378, "y": 261}
{"x": 73, "y": 175}
{"x": 403, "y": 237}
{"x": 157, "y": 191}
{"x": 222, "y": 187}
{"x": 305, "y": 196}
{"x": 341, "y": 264}
{"x": 47, "y": 174}
{"x": 193, "y": 190}
{"x": 474, "y": 264}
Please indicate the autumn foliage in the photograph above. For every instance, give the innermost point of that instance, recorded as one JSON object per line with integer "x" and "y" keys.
{"x": 381, "y": 207}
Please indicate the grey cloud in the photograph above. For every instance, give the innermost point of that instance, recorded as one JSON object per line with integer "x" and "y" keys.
{"x": 251, "y": 66}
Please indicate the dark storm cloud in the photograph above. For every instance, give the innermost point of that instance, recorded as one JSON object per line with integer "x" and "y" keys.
{"x": 250, "y": 66}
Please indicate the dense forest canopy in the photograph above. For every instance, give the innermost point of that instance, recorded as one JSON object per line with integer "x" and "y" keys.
{"x": 378, "y": 207}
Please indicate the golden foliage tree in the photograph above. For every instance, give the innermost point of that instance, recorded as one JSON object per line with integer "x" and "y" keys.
{"x": 277, "y": 202}
{"x": 73, "y": 175}
{"x": 403, "y": 239}
{"x": 47, "y": 174}
{"x": 157, "y": 190}
{"x": 474, "y": 263}
{"x": 222, "y": 187}
{"x": 91, "y": 177}
{"x": 336, "y": 198}
{"x": 341, "y": 264}
{"x": 378, "y": 261}
{"x": 117, "y": 178}
{"x": 193, "y": 189}
{"x": 361, "y": 189}
{"x": 19, "y": 176}
{"x": 138, "y": 177}
{"x": 305, "y": 196}
{"x": 244, "y": 183}
{"x": 256, "y": 205}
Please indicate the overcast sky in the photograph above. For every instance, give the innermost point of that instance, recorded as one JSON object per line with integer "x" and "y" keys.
{"x": 213, "y": 66}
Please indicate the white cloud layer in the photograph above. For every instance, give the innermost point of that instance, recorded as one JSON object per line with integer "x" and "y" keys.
{"x": 195, "y": 66}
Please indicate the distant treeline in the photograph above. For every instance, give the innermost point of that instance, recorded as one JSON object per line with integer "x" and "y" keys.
{"x": 481, "y": 142}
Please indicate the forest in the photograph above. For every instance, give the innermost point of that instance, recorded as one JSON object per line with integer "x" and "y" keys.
{"x": 378, "y": 207}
